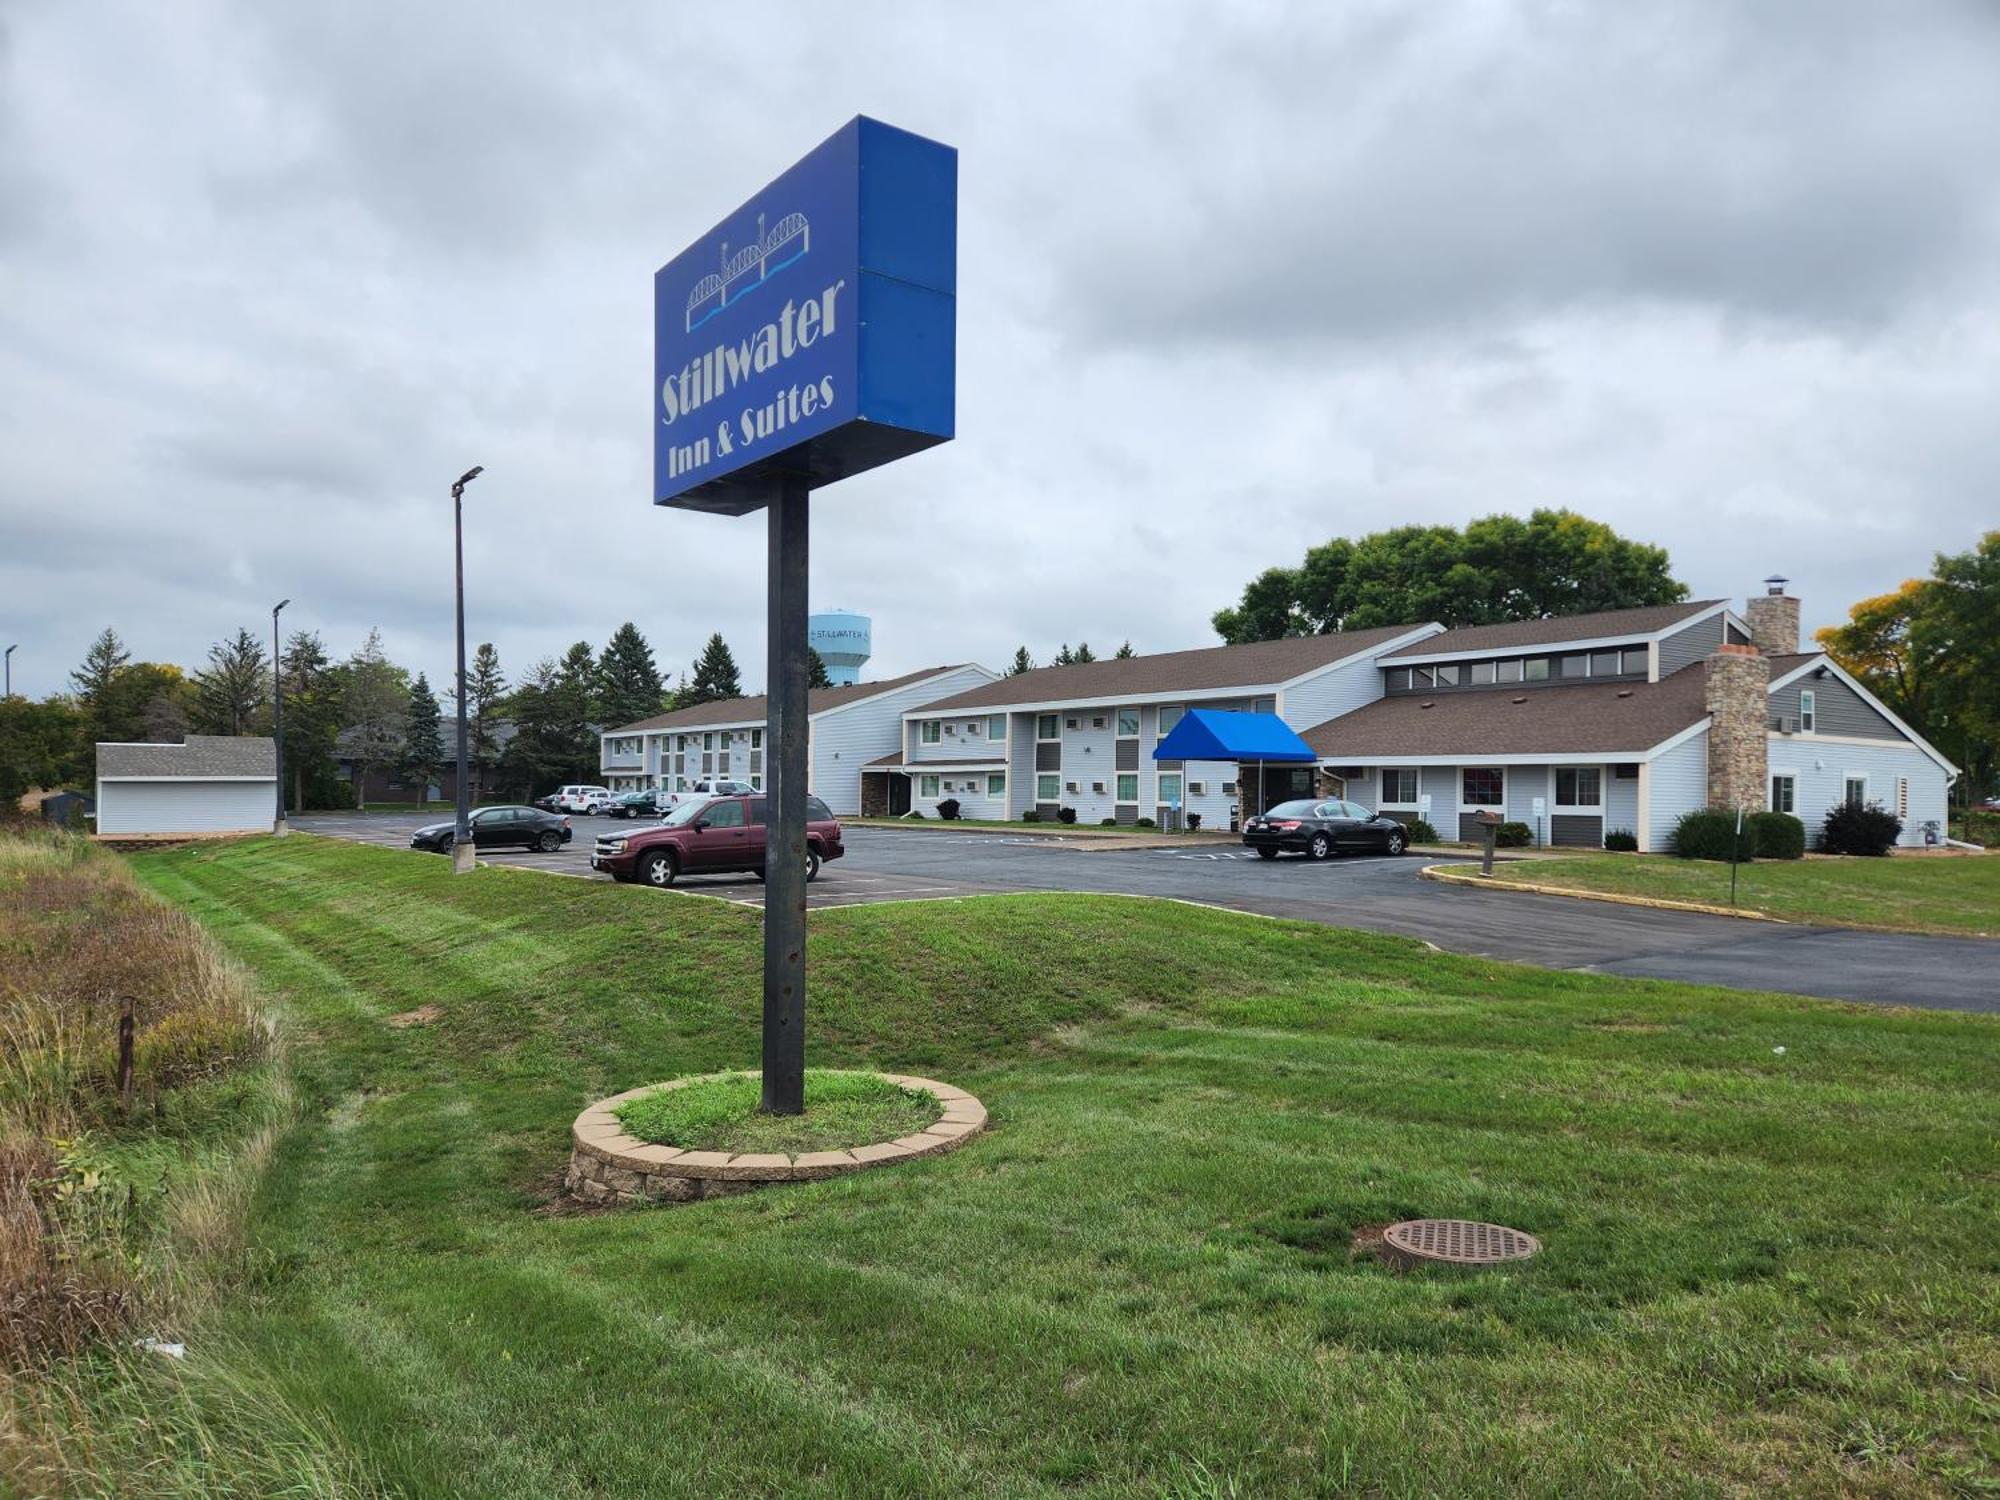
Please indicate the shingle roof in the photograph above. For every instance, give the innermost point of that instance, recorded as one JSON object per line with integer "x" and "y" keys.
{"x": 1581, "y": 718}
{"x": 1558, "y": 629}
{"x": 202, "y": 755}
{"x": 757, "y": 709}
{"x": 1210, "y": 669}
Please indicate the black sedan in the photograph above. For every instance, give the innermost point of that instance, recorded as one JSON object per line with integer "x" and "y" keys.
{"x": 500, "y": 828}
{"x": 647, "y": 804}
{"x": 1321, "y": 829}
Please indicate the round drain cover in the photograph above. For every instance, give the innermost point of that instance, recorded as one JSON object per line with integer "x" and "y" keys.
{"x": 1456, "y": 1242}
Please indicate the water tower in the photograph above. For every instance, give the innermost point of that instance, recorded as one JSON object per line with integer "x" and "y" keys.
{"x": 842, "y": 639}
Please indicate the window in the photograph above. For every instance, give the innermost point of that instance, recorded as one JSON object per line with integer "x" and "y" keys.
{"x": 996, "y": 784}
{"x": 1484, "y": 786}
{"x": 1784, "y": 793}
{"x": 928, "y": 731}
{"x": 1128, "y": 786}
{"x": 996, "y": 727}
{"x": 1399, "y": 679}
{"x": 1048, "y": 727}
{"x": 1606, "y": 663}
{"x": 1808, "y": 710}
{"x": 1637, "y": 660}
{"x": 708, "y": 742}
{"x": 756, "y": 739}
{"x": 1399, "y": 786}
{"x": 723, "y": 815}
{"x": 1535, "y": 669}
{"x": 1509, "y": 671}
{"x": 1048, "y": 788}
{"x": 1856, "y": 793}
{"x": 1128, "y": 723}
{"x": 1579, "y": 786}
{"x": 1575, "y": 665}
{"x": 1479, "y": 674}
{"x": 1170, "y": 788}
{"x": 1422, "y": 677}
{"x": 1447, "y": 675}
{"x": 1263, "y": 705}
{"x": 1170, "y": 715}
{"x": 927, "y": 786}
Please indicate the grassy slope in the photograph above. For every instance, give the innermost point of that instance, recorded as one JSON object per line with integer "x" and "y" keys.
{"x": 1933, "y": 894}
{"x": 1761, "y": 1268}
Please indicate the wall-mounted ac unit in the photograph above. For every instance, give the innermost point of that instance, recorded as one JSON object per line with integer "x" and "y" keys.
{"x": 1071, "y": 785}
{"x": 1071, "y": 723}
{"x": 1229, "y": 789}
{"x": 1098, "y": 722}
{"x": 951, "y": 729}
{"x": 1785, "y": 724}
{"x": 1097, "y": 786}
{"x": 1197, "y": 788}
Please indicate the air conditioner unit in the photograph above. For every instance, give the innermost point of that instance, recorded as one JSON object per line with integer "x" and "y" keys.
{"x": 951, "y": 729}
{"x": 1197, "y": 788}
{"x": 1229, "y": 789}
{"x": 1784, "y": 724}
{"x": 1098, "y": 722}
{"x": 1071, "y": 785}
{"x": 1097, "y": 786}
{"x": 1072, "y": 725}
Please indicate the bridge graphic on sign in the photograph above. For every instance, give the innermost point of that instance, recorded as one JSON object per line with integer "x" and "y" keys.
{"x": 749, "y": 268}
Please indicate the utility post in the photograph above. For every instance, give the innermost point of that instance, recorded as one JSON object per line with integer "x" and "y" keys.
{"x": 10, "y": 672}
{"x": 788, "y": 667}
{"x": 278, "y": 714}
{"x": 462, "y": 850}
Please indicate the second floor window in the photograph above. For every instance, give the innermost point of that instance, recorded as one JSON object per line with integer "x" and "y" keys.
{"x": 1128, "y": 723}
{"x": 1170, "y": 715}
{"x": 1808, "y": 710}
{"x": 1048, "y": 727}
{"x": 929, "y": 731}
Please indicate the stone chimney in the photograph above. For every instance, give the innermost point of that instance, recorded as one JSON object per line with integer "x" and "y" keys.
{"x": 1774, "y": 619}
{"x": 1737, "y": 682}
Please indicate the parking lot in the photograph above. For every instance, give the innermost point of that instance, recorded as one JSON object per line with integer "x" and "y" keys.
{"x": 1375, "y": 892}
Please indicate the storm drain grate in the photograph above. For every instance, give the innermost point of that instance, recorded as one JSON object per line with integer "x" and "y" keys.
{"x": 1456, "y": 1242}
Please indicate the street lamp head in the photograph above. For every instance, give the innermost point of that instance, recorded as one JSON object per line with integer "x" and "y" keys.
{"x": 279, "y": 605}
{"x": 469, "y": 475}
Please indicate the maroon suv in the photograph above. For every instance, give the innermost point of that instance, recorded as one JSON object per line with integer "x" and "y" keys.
{"x": 724, "y": 834}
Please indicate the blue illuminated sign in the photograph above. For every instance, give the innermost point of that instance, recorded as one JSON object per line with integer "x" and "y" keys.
{"x": 812, "y": 333}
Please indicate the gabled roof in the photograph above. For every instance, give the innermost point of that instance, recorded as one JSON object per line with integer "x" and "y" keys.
{"x": 1583, "y": 718}
{"x": 756, "y": 710}
{"x": 212, "y": 755}
{"x": 1558, "y": 630}
{"x": 1217, "y": 734}
{"x": 1210, "y": 669}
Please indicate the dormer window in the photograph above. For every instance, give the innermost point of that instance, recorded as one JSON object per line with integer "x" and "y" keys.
{"x": 1480, "y": 674}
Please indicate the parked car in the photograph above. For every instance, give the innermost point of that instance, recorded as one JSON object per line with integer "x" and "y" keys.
{"x": 644, "y": 804}
{"x": 1319, "y": 829}
{"x": 505, "y": 827}
{"x": 583, "y": 799}
{"x": 710, "y": 838}
{"x": 701, "y": 791}
{"x": 547, "y": 803}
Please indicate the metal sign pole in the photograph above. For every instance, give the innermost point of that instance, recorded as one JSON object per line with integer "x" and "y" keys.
{"x": 785, "y": 807}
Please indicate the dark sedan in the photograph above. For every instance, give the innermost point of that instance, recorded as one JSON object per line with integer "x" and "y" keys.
{"x": 647, "y": 804}
{"x": 1321, "y": 829}
{"x": 500, "y": 828}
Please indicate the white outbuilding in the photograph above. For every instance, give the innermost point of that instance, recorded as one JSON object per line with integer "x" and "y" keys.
{"x": 213, "y": 783}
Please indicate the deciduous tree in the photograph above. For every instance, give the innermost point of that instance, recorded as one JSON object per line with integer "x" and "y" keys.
{"x": 374, "y": 696}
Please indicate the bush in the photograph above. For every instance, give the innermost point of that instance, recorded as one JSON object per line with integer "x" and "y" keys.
{"x": 1065, "y": 815}
{"x": 1779, "y": 835}
{"x": 1194, "y": 822}
{"x": 1031, "y": 816}
{"x": 1710, "y": 833}
{"x": 1859, "y": 830}
{"x": 1144, "y": 823}
{"x": 1513, "y": 836}
{"x": 948, "y": 809}
{"x": 1107, "y": 822}
{"x": 1421, "y": 831}
{"x": 1623, "y": 840}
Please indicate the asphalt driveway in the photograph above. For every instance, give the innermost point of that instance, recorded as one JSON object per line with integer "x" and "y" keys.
{"x": 1374, "y": 892}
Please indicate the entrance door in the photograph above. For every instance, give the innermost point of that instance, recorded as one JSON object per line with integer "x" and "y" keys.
{"x": 899, "y": 795}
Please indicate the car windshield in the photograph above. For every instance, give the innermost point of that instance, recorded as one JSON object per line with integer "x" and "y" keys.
{"x": 686, "y": 813}
{"x": 1294, "y": 810}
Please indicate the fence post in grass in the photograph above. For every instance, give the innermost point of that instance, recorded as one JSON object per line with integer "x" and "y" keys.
{"x": 125, "y": 1028}
{"x": 1735, "y": 850}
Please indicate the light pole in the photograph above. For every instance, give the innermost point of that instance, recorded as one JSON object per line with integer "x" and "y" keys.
{"x": 278, "y": 714}
{"x": 461, "y": 833}
{"x": 10, "y": 672}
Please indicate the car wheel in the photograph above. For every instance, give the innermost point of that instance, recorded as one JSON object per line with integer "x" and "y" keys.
{"x": 1398, "y": 841}
{"x": 1267, "y": 853}
{"x": 445, "y": 842}
{"x": 549, "y": 842}
{"x": 659, "y": 869}
{"x": 1321, "y": 846}
{"x": 812, "y": 864}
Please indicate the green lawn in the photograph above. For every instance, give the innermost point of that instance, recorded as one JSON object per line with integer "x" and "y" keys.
{"x": 1764, "y": 1268}
{"x": 1928, "y": 894}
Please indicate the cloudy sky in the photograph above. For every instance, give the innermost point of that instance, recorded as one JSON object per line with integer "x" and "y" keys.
{"x": 1233, "y": 279}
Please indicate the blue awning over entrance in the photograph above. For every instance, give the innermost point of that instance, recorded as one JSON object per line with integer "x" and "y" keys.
{"x": 1218, "y": 734}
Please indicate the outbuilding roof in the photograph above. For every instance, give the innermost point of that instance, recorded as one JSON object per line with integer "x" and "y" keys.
{"x": 1558, "y": 630}
{"x": 211, "y": 755}
{"x": 1582, "y": 718}
{"x": 756, "y": 710}
{"x": 1207, "y": 670}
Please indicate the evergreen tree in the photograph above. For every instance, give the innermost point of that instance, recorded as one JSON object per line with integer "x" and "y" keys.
{"x": 816, "y": 669}
{"x": 572, "y": 715}
{"x": 235, "y": 685}
{"x": 312, "y": 721}
{"x": 715, "y": 676}
{"x": 106, "y": 657}
{"x": 1064, "y": 657}
{"x": 1125, "y": 653}
{"x": 485, "y": 686}
{"x": 543, "y": 752}
{"x": 629, "y": 685}
{"x": 1022, "y": 662}
{"x": 578, "y": 671}
{"x": 1083, "y": 654}
{"x": 423, "y": 746}
{"x": 374, "y": 696}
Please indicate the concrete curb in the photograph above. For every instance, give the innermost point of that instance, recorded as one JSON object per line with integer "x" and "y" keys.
{"x": 1446, "y": 876}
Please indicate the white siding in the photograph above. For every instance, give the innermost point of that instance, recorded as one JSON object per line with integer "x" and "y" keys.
{"x": 968, "y": 788}
{"x": 846, "y": 739}
{"x": 960, "y": 737}
{"x": 1822, "y": 770}
{"x": 1621, "y": 802}
{"x": 186, "y": 806}
{"x": 1678, "y": 784}
{"x": 1342, "y": 690}
{"x": 1524, "y": 785}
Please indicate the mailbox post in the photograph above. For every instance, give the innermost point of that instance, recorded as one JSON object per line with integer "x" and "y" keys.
{"x": 809, "y": 336}
{"x": 1489, "y": 827}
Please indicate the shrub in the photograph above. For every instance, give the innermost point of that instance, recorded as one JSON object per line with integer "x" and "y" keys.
{"x": 1779, "y": 835}
{"x": 1107, "y": 822}
{"x": 1710, "y": 833}
{"x": 1144, "y": 823}
{"x": 1031, "y": 816}
{"x": 1623, "y": 840}
{"x": 1066, "y": 815}
{"x": 1859, "y": 830}
{"x": 1513, "y": 836}
{"x": 1194, "y": 822}
{"x": 948, "y": 809}
{"x": 1421, "y": 831}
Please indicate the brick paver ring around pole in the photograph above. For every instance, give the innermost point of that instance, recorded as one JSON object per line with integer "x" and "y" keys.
{"x": 608, "y": 1166}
